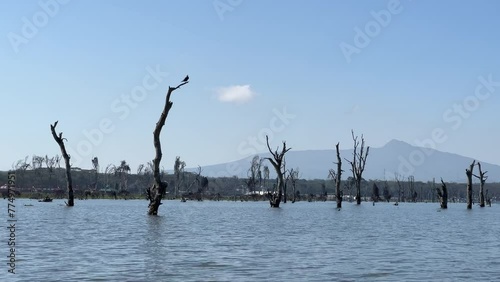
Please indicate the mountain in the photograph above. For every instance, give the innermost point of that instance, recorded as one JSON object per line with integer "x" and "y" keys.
{"x": 394, "y": 157}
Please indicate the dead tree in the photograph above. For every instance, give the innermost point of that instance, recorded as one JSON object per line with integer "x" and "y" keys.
{"x": 411, "y": 189}
{"x": 469, "y": 173}
{"x": 482, "y": 179}
{"x": 179, "y": 174}
{"x": 294, "y": 176}
{"x": 336, "y": 176}
{"x": 400, "y": 188}
{"x": 60, "y": 141}
{"x": 488, "y": 198}
{"x": 375, "y": 193}
{"x": 443, "y": 195}
{"x": 286, "y": 175}
{"x": 196, "y": 180}
{"x": 95, "y": 165}
{"x": 265, "y": 170}
{"x": 254, "y": 174}
{"x": 50, "y": 163}
{"x": 358, "y": 163}
{"x": 386, "y": 193}
{"x": 155, "y": 193}
{"x": 277, "y": 162}
{"x": 201, "y": 182}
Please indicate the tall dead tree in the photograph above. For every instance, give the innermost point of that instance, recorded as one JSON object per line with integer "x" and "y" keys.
{"x": 294, "y": 176}
{"x": 265, "y": 171}
{"x": 469, "y": 173}
{"x": 488, "y": 198}
{"x": 482, "y": 179}
{"x": 277, "y": 162}
{"x": 60, "y": 141}
{"x": 179, "y": 174}
{"x": 254, "y": 173}
{"x": 411, "y": 187}
{"x": 375, "y": 193}
{"x": 401, "y": 191}
{"x": 156, "y": 192}
{"x": 443, "y": 195}
{"x": 336, "y": 176}
{"x": 286, "y": 176}
{"x": 386, "y": 193}
{"x": 95, "y": 165}
{"x": 358, "y": 163}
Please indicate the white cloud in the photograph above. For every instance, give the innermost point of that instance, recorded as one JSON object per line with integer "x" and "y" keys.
{"x": 238, "y": 94}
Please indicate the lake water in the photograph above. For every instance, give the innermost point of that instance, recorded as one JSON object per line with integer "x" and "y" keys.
{"x": 114, "y": 240}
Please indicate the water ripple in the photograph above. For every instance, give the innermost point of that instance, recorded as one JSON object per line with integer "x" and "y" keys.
{"x": 106, "y": 240}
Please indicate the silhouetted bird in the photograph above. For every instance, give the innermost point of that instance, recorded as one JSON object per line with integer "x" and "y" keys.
{"x": 186, "y": 78}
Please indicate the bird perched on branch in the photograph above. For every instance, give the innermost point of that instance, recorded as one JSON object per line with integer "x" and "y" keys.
{"x": 186, "y": 78}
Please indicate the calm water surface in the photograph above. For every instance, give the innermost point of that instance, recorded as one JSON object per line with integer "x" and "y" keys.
{"x": 107, "y": 240}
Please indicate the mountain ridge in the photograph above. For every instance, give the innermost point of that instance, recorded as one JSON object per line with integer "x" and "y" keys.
{"x": 396, "y": 157}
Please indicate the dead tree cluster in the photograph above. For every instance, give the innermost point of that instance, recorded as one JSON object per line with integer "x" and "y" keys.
{"x": 469, "y": 172}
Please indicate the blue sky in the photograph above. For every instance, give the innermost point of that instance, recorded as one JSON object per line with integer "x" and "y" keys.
{"x": 250, "y": 63}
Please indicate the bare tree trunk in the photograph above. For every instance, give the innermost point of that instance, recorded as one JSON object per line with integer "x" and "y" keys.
{"x": 443, "y": 195}
{"x": 276, "y": 198}
{"x": 338, "y": 191}
{"x": 60, "y": 141}
{"x": 294, "y": 175}
{"x": 155, "y": 193}
{"x": 285, "y": 183}
{"x": 396, "y": 177}
{"x": 469, "y": 173}
{"x": 277, "y": 162}
{"x": 358, "y": 191}
{"x": 481, "y": 194}
{"x": 284, "y": 192}
{"x": 488, "y": 199}
{"x": 482, "y": 179}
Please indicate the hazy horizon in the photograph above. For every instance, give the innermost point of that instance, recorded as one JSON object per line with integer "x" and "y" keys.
{"x": 425, "y": 73}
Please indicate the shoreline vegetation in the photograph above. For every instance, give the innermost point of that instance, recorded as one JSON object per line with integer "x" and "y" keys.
{"x": 119, "y": 184}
